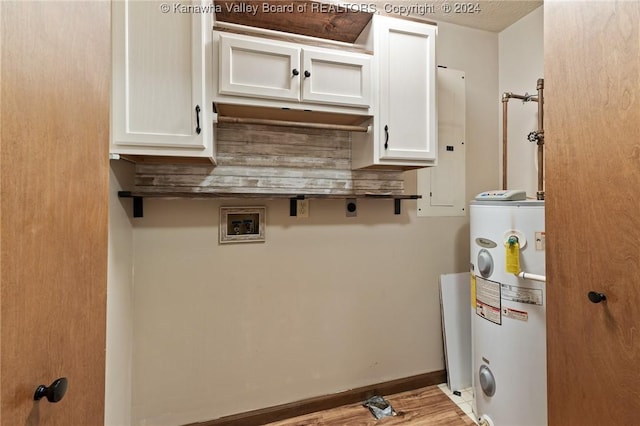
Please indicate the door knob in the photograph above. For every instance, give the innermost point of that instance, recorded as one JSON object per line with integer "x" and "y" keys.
{"x": 54, "y": 393}
{"x": 596, "y": 297}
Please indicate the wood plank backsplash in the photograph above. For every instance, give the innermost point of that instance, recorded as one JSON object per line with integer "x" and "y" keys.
{"x": 264, "y": 160}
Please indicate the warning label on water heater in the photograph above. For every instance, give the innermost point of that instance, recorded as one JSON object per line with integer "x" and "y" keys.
{"x": 515, "y": 293}
{"x": 488, "y": 300}
{"x": 515, "y": 314}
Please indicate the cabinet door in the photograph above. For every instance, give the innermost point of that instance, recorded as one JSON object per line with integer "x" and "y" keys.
{"x": 407, "y": 113}
{"x": 336, "y": 78}
{"x": 249, "y": 67}
{"x": 159, "y": 102}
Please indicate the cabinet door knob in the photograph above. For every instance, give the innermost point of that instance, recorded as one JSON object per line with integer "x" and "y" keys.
{"x": 307, "y": 74}
{"x": 54, "y": 392}
{"x": 596, "y": 297}
{"x": 198, "y": 130}
{"x": 295, "y": 72}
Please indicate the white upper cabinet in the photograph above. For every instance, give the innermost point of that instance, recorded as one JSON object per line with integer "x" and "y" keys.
{"x": 268, "y": 70}
{"x": 407, "y": 87}
{"x": 161, "y": 77}
{"x": 405, "y": 119}
{"x": 336, "y": 78}
{"x": 259, "y": 69}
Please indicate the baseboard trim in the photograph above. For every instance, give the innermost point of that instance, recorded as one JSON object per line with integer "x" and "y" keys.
{"x": 311, "y": 405}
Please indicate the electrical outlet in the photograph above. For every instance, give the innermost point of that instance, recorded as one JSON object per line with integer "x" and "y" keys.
{"x": 351, "y": 207}
{"x": 302, "y": 207}
{"x": 540, "y": 243}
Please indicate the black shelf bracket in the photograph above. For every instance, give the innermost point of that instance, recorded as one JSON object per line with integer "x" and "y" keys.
{"x": 293, "y": 205}
{"x": 138, "y": 205}
{"x": 397, "y": 201}
{"x": 396, "y": 205}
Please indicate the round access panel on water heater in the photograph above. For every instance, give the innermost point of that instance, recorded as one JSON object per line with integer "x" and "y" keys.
{"x": 487, "y": 381}
{"x": 485, "y": 263}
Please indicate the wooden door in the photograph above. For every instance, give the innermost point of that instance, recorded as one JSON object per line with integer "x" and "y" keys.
{"x": 592, "y": 134}
{"x": 55, "y": 83}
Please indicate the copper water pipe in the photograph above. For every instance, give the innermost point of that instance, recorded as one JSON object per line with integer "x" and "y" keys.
{"x": 505, "y": 101}
{"x": 540, "y": 140}
{"x": 525, "y": 98}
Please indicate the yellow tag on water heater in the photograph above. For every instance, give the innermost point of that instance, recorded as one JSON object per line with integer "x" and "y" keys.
{"x": 513, "y": 257}
{"x": 473, "y": 291}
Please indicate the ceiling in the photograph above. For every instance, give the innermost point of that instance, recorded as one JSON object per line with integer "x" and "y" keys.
{"x": 489, "y": 15}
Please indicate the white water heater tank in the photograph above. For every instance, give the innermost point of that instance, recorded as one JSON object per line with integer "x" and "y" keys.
{"x": 508, "y": 312}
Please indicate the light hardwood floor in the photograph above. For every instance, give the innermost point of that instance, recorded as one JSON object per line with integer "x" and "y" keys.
{"x": 425, "y": 407}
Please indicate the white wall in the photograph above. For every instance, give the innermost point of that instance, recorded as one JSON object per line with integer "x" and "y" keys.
{"x": 521, "y": 64}
{"x": 119, "y": 299}
{"x": 326, "y": 304}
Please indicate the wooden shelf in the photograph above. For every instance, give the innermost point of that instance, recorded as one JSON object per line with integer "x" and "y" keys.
{"x": 138, "y": 197}
{"x": 309, "y": 18}
{"x": 179, "y": 194}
